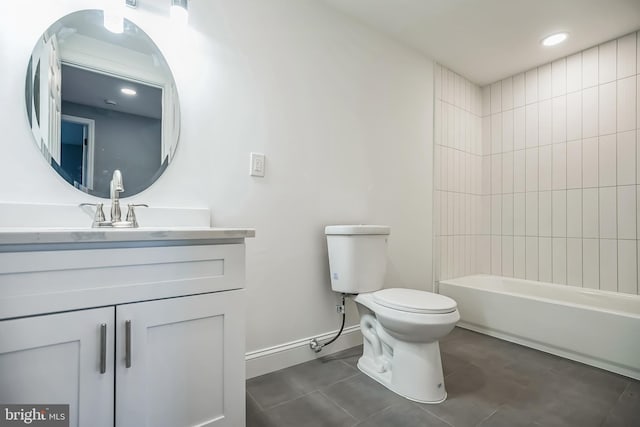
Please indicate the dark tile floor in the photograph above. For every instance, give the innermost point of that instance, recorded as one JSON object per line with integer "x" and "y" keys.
{"x": 490, "y": 382}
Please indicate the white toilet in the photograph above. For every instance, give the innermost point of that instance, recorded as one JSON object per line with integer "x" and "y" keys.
{"x": 401, "y": 327}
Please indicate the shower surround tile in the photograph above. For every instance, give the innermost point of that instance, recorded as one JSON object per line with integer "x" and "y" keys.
{"x": 558, "y": 164}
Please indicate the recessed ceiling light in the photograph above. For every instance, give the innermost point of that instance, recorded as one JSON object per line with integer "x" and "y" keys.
{"x": 554, "y": 39}
{"x": 128, "y": 91}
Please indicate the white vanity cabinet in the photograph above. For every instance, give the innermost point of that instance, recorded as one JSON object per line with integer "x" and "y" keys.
{"x": 128, "y": 333}
{"x": 55, "y": 359}
{"x": 183, "y": 361}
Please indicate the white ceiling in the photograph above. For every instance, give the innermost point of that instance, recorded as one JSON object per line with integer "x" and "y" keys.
{"x": 487, "y": 40}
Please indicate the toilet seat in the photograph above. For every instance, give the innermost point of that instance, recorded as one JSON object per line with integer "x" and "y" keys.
{"x": 414, "y": 301}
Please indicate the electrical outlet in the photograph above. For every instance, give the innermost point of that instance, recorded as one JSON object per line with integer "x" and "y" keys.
{"x": 257, "y": 164}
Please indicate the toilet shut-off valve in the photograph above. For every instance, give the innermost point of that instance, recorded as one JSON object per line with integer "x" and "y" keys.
{"x": 317, "y": 346}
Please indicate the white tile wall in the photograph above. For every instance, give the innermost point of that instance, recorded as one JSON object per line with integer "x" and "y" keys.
{"x": 607, "y": 61}
{"x": 590, "y": 67}
{"x": 545, "y": 257}
{"x": 590, "y": 162}
{"x": 626, "y": 53}
{"x": 559, "y": 77}
{"x": 607, "y": 213}
{"x": 607, "y": 108}
{"x": 548, "y": 186}
{"x": 559, "y": 261}
{"x": 626, "y": 104}
{"x": 544, "y": 82}
{"x": 591, "y": 263}
{"x": 518, "y": 90}
{"x": 574, "y": 262}
{"x": 467, "y": 174}
{"x": 574, "y": 73}
{"x": 559, "y": 213}
{"x": 559, "y": 167}
{"x": 565, "y": 193}
{"x": 607, "y": 156}
{"x": 531, "y": 86}
{"x": 544, "y": 214}
{"x": 574, "y": 116}
{"x": 575, "y": 213}
{"x": 574, "y": 164}
{"x": 590, "y": 112}
{"x": 609, "y": 264}
{"x": 627, "y": 271}
{"x": 590, "y": 213}
{"x": 559, "y": 118}
{"x": 507, "y": 92}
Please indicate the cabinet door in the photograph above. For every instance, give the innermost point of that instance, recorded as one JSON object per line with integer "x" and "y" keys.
{"x": 61, "y": 359}
{"x": 184, "y": 364}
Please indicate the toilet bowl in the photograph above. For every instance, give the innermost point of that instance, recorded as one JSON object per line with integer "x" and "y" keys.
{"x": 400, "y": 327}
{"x": 400, "y": 342}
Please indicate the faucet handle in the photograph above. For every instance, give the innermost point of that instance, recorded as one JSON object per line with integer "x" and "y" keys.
{"x": 98, "y": 218}
{"x": 131, "y": 213}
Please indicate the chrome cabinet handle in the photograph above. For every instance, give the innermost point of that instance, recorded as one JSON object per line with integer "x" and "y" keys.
{"x": 127, "y": 343}
{"x": 103, "y": 348}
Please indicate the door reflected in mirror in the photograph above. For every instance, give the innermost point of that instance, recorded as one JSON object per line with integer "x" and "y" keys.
{"x": 99, "y": 101}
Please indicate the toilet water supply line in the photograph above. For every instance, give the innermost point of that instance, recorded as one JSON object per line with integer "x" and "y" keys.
{"x": 315, "y": 345}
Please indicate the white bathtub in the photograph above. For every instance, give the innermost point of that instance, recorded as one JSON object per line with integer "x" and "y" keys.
{"x": 594, "y": 327}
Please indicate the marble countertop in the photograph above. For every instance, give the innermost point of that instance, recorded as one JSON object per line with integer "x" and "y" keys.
{"x": 42, "y": 235}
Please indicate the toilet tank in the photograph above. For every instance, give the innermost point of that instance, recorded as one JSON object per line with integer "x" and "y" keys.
{"x": 357, "y": 257}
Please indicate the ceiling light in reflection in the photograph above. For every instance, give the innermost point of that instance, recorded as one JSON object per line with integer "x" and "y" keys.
{"x": 114, "y": 15}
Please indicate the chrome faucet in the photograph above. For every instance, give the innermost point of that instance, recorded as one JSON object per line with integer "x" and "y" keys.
{"x": 116, "y": 187}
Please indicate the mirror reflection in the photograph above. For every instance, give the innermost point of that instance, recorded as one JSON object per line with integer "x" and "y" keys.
{"x": 98, "y": 101}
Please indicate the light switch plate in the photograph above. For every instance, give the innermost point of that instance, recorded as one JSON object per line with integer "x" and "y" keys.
{"x": 257, "y": 164}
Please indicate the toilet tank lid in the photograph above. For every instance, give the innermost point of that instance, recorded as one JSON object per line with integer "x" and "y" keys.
{"x": 357, "y": 229}
{"x": 414, "y": 301}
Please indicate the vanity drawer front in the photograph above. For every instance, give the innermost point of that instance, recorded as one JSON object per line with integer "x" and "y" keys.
{"x": 50, "y": 281}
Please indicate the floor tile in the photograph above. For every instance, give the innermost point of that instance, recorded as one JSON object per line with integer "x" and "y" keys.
{"x": 403, "y": 415}
{"x": 361, "y": 396}
{"x": 561, "y": 400}
{"x": 507, "y": 416}
{"x": 486, "y": 352}
{"x": 626, "y": 411}
{"x": 255, "y": 416}
{"x": 311, "y": 410}
{"x": 317, "y": 374}
{"x": 594, "y": 378}
{"x": 452, "y": 363}
{"x": 473, "y": 395}
{"x": 272, "y": 389}
{"x": 349, "y": 356}
{"x": 490, "y": 382}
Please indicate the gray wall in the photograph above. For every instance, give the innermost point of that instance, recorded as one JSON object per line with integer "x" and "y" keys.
{"x": 123, "y": 141}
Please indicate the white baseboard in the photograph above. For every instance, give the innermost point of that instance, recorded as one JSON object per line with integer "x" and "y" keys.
{"x": 263, "y": 361}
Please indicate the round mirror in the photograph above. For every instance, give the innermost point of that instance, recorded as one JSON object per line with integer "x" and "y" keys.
{"x": 98, "y": 101}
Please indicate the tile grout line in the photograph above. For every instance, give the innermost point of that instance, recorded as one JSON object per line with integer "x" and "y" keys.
{"x": 343, "y": 379}
{"x": 290, "y": 400}
{"x": 338, "y": 405}
{"x": 422, "y": 408}
{"x": 254, "y": 399}
{"x": 489, "y": 416}
{"x": 617, "y": 400}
